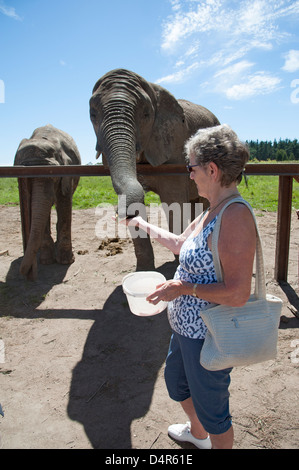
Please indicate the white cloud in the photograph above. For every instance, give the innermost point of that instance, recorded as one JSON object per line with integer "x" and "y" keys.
{"x": 261, "y": 83}
{"x": 291, "y": 61}
{"x": 256, "y": 20}
{"x": 213, "y": 40}
{"x": 183, "y": 24}
{"x": 175, "y": 4}
{"x": 238, "y": 81}
{"x": 9, "y": 11}
{"x": 193, "y": 49}
{"x": 252, "y": 20}
{"x": 234, "y": 70}
{"x": 179, "y": 76}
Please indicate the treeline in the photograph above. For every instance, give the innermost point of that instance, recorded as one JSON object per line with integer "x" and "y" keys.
{"x": 281, "y": 151}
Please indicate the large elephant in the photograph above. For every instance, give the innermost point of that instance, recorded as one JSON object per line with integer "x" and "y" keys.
{"x": 138, "y": 121}
{"x": 48, "y": 146}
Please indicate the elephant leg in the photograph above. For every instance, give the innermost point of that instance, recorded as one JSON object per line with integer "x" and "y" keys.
{"x": 64, "y": 252}
{"x": 41, "y": 202}
{"x": 47, "y": 249}
{"x": 143, "y": 251}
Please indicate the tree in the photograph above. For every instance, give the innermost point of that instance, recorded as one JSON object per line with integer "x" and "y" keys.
{"x": 281, "y": 155}
{"x": 282, "y": 150}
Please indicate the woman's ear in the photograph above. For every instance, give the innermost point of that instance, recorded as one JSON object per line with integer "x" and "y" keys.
{"x": 213, "y": 171}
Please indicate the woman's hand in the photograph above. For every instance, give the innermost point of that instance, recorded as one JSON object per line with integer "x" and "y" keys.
{"x": 129, "y": 221}
{"x": 167, "y": 291}
{"x": 164, "y": 237}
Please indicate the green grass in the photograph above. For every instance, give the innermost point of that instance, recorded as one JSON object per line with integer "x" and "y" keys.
{"x": 9, "y": 191}
{"x": 92, "y": 191}
{"x": 262, "y": 192}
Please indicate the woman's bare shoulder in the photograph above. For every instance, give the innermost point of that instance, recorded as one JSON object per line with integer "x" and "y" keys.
{"x": 236, "y": 211}
{"x": 237, "y": 219}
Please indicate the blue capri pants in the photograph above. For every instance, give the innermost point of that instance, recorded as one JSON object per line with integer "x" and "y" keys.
{"x": 185, "y": 377}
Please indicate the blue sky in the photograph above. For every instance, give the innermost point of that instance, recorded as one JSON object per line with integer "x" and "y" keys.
{"x": 239, "y": 58}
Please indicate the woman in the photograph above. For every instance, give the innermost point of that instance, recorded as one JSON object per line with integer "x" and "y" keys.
{"x": 216, "y": 160}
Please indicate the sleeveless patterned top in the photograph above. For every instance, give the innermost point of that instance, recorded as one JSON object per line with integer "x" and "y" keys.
{"x": 196, "y": 266}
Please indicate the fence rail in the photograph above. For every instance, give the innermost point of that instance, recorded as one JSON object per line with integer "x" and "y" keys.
{"x": 278, "y": 169}
{"x": 286, "y": 172}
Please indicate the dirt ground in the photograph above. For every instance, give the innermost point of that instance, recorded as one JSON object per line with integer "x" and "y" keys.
{"x": 79, "y": 371}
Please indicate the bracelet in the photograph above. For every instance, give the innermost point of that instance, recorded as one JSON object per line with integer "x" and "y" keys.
{"x": 194, "y": 289}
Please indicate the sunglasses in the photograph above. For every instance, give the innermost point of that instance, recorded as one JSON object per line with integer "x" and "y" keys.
{"x": 190, "y": 167}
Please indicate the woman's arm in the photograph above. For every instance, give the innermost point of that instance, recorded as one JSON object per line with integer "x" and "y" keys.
{"x": 236, "y": 246}
{"x": 164, "y": 237}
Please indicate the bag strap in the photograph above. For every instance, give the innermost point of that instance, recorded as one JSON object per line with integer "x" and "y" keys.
{"x": 260, "y": 284}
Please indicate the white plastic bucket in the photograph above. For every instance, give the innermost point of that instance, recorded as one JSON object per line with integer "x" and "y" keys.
{"x": 137, "y": 286}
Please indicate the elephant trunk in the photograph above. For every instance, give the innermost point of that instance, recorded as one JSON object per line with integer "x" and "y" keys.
{"x": 41, "y": 202}
{"x": 118, "y": 143}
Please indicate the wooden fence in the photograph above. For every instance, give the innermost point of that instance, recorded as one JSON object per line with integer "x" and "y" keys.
{"x": 286, "y": 172}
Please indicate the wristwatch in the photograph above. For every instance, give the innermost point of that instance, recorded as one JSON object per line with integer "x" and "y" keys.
{"x": 194, "y": 290}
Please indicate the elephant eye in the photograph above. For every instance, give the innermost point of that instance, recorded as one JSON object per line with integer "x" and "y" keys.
{"x": 146, "y": 112}
{"x": 93, "y": 115}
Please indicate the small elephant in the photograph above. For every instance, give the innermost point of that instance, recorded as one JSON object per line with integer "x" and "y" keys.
{"x": 137, "y": 121}
{"x": 48, "y": 146}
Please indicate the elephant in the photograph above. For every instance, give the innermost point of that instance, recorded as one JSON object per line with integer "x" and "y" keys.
{"x": 138, "y": 121}
{"x": 48, "y": 146}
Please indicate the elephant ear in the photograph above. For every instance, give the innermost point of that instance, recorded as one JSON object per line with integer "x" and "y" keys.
{"x": 169, "y": 130}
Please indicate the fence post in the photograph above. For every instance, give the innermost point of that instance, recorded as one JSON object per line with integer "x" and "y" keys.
{"x": 25, "y": 208}
{"x": 284, "y": 212}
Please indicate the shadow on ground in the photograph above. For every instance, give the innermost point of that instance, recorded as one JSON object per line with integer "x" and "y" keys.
{"x": 113, "y": 383}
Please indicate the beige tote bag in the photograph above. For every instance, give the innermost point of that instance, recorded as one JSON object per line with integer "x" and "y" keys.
{"x": 245, "y": 335}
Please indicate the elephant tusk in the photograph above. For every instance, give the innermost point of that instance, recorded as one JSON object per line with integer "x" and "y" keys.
{"x": 98, "y": 154}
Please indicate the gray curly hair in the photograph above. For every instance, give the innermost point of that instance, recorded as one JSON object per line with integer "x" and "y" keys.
{"x": 221, "y": 145}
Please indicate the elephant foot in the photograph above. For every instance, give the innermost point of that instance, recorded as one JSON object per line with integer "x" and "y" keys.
{"x": 47, "y": 251}
{"x": 29, "y": 271}
{"x": 32, "y": 275}
{"x": 65, "y": 256}
{"x": 47, "y": 257}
